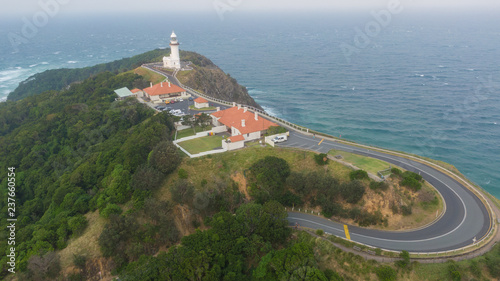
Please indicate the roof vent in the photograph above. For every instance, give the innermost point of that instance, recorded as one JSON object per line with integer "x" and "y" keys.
{"x": 242, "y": 122}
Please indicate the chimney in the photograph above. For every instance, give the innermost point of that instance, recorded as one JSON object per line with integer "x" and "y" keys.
{"x": 234, "y": 104}
{"x": 218, "y": 108}
{"x": 239, "y": 106}
{"x": 151, "y": 84}
{"x": 169, "y": 84}
{"x": 245, "y": 109}
{"x": 242, "y": 122}
{"x": 162, "y": 84}
{"x": 256, "y": 116}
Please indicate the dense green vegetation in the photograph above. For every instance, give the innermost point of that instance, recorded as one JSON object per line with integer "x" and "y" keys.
{"x": 75, "y": 151}
{"x": 409, "y": 179}
{"x": 270, "y": 179}
{"x": 58, "y": 79}
{"x": 244, "y": 246}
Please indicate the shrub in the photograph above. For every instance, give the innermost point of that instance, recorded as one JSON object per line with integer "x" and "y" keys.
{"x": 321, "y": 159}
{"x": 405, "y": 259}
{"x": 406, "y": 210}
{"x": 396, "y": 171}
{"x": 358, "y": 175}
{"x": 386, "y": 273}
{"x": 320, "y": 232}
{"x": 412, "y": 183}
{"x": 273, "y": 130}
{"x": 379, "y": 185}
{"x": 183, "y": 174}
{"x": 453, "y": 271}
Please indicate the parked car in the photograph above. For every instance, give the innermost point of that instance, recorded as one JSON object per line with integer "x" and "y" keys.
{"x": 279, "y": 139}
{"x": 191, "y": 99}
{"x": 181, "y": 100}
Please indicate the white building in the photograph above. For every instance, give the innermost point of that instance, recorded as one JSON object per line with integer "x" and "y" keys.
{"x": 174, "y": 60}
{"x": 201, "y": 103}
{"x": 164, "y": 91}
{"x": 241, "y": 122}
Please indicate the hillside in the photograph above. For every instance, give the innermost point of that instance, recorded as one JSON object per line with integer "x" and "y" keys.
{"x": 209, "y": 79}
{"x": 206, "y": 77}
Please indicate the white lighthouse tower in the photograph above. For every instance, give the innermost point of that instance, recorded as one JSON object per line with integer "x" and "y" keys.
{"x": 174, "y": 60}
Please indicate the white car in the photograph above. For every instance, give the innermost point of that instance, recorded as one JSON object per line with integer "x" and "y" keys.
{"x": 279, "y": 139}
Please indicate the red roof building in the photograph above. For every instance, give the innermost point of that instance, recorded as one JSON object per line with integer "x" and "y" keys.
{"x": 201, "y": 103}
{"x": 163, "y": 91}
{"x": 242, "y": 122}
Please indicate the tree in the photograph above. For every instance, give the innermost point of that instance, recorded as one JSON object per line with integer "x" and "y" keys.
{"x": 43, "y": 267}
{"x": 165, "y": 157}
{"x": 77, "y": 224}
{"x": 111, "y": 209}
{"x": 270, "y": 174}
{"x": 182, "y": 191}
{"x": 146, "y": 178}
{"x": 352, "y": 191}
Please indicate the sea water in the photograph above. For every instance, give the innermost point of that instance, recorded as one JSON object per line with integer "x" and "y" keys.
{"x": 423, "y": 83}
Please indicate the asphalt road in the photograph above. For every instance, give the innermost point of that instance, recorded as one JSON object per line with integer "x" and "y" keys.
{"x": 465, "y": 217}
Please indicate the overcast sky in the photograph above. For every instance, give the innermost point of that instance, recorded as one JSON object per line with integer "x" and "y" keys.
{"x": 29, "y": 7}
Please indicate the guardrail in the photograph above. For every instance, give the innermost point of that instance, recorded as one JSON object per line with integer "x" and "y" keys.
{"x": 302, "y": 129}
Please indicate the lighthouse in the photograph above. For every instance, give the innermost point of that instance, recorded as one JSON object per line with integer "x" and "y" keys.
{"x": 174, "y": 60}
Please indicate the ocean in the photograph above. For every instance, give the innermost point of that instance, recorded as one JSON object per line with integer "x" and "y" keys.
{"x": 419, "y": 82}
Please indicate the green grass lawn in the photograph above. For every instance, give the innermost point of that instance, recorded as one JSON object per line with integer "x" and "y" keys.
{"x": 189, "y": 132}
{"x": 368, "y": 164}
{"x": 202, "y": 144}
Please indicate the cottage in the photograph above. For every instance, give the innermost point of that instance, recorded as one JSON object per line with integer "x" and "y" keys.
{"x": 239, "y": 121}
{"x": 200, "y": 103}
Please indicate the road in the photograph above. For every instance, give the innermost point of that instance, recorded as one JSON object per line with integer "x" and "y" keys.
{"x": 465, "y": 218}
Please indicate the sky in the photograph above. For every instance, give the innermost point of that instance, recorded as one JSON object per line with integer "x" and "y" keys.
{"x": 30, "y": 7}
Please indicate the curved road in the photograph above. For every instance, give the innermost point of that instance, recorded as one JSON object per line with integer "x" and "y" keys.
{"x": 465, "y": 218}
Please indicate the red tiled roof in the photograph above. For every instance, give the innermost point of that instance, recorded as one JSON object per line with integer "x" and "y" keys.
{"x": 200, "y": 100}
{"x": 163, "y": 89}
{"x": 135, "y": 90}
{"x": 236, "y": 138}
{"x": 232, "y": 117}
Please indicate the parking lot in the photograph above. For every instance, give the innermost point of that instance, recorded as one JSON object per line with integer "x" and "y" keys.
{"x": 182, "y": 107}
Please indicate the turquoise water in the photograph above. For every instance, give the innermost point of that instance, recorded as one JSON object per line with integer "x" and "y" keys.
{"x": 425, "y": 84}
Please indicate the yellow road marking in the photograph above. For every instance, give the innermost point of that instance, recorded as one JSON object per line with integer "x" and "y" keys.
{"x": 347, "y": 235}
{"x": 321, "y": 141}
